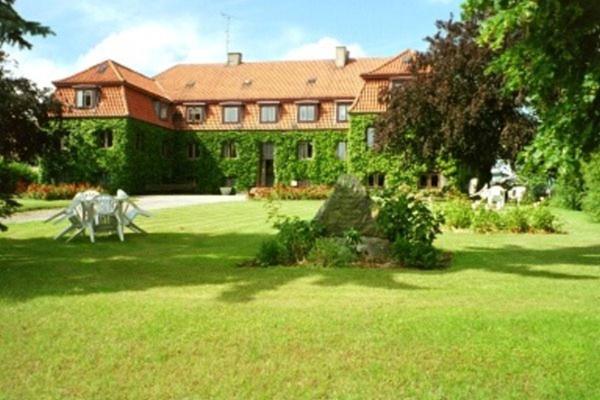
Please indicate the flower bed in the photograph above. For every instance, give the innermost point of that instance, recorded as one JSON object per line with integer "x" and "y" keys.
{"x": 282, "y": 192}
{"x": 55, "y": 192}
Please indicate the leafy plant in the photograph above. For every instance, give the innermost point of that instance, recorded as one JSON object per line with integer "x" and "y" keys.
{"x": 485, "y": 221}
{"x": 417, "y": 255}
{"x": 332, "y": 252}
{"x": 271, "y": 252}
{"x": 591, "y": 201}
{"x": 458, "y": 214}
{"x": 516, "y": 220}
{"x": 297, "y": 237}
{"x": 541, "y": 219}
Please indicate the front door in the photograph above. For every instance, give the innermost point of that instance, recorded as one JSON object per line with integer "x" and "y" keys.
{"x": 267, "y": 165}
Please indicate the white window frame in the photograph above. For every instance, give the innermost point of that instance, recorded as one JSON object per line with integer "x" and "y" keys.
{"x": 302, "y": 116}
{"x": 86, "y": 98}
{"x": 341, "y": 155}
{"x": 306, "y": 150}
{"x": 238, "y": 110}
{"x": 347, "y": 106}
{"x": 370, "y": 135}
{"x": 195, "y": 114}
{"x": 229, "y": 149}
{"x": 273, "y": 118}
{"x": 161, "y": 109}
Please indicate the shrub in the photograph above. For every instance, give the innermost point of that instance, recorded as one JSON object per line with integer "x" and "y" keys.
{"x": 412, "y": 227}
{"x": 404, "y": 215}
{"x": 416, "y": 255}
{"x": 591, "y": 200}
{"x": 541, "y": 219}
{"x": 485, "y": 221}
{"x": 56, "y": 192}
{"x": 332, "y": 252}
{"x": 291, "y": 244}
{"x": 458, "y": 214}
{"x": 516, "y": 219}
{"x": 270, "y": 253}
{"x": 23, "y": 174}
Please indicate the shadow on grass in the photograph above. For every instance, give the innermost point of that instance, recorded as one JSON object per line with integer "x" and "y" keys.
{"x": 42, "y": 267}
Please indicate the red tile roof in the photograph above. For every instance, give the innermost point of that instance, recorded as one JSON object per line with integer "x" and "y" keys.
{"x": 126, "y": 92}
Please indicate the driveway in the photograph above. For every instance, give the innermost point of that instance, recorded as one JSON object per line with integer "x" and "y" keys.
{"x": 149, "y": 202}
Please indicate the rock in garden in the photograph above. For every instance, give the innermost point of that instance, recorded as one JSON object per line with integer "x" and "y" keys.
{"x": 374, "y": 249}
{"x": 348, "y": 207}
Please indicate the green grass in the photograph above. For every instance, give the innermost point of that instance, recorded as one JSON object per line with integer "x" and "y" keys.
{"x": 169, "y": 315}
{"x": 35, "y": 204}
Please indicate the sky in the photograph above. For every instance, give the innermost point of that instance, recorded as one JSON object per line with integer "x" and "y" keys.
{"x": 153, "y": 35}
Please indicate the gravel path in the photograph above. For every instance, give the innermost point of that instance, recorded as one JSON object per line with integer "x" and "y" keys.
{"x": 150, "y": 202}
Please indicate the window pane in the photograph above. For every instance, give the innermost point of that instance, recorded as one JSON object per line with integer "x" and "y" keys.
{"x": 163, "y": 111}
{"x": 268, "y": 113}
{"x": 342, "y": 112}
{"x": 231, "y": 114}
{"x": 341, "y": 150}
{"x": 370, "y": 137}
{"x": 307, "y": 113}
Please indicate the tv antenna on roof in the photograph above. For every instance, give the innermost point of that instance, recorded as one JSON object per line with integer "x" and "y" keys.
{"x": 227, "y": 30}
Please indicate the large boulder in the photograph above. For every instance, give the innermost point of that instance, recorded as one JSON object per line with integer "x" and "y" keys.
{"x": 348, "y": 207}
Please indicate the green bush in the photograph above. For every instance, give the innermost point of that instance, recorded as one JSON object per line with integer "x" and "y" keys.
{"x": 541, "y": 219}
{"x": 23, "y": 173}
{"x": 458, "y": 214}
{"x": 416, "y": 254}
{"x": 291, "y": 244}
{"x": 332, "y": 252}
{"x": 591, "y": 200}
{"x": 516, "y": 219}
{"x": 485, "y": 221}
{"x": 7, "y": 189}
{"x": 568, "y": 191}
{"x": 411, "y": 226}
{"x": 271, "y": 252}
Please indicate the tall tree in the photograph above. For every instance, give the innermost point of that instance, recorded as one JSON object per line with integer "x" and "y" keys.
{"x": 452, "y": 108}
{"x": 23, "y": 107}
{"x": 550, "y": 52}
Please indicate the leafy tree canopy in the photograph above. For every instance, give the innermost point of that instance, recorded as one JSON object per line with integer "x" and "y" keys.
{"x": 549, "y": 51}
{"x": 452, "y": 107}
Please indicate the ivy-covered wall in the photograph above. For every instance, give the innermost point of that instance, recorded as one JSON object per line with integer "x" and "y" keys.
{"x": 134, "y": 159}
{"x": 364, "y": 161}
{"x": 143, "y": 156}
{"x": 210, "y": 169}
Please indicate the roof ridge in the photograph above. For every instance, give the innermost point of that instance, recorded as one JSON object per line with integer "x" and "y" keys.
{"x": 385, "y": 64}
{"x": 115, "y": 69}
{"x": 85, "y": 70}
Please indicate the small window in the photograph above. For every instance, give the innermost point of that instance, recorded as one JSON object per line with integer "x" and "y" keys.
{"x": 193, "y": 151}
{"x": 376, "y": 180}
{"x": 164, "y": 150}
{"x": 268, "y": 113}
{"x": 305, "y": 150}
{"x": 63, "y": 143}
{"x": 106, "y": 139}
{"x": 430, "y": 181}
{"x": 342, "y": 112}
{"x": 341, "y": 151}
{"x": 86, "y": 98}
{"x": 307, "y": 113}
{"x": 232, "y": 114}
{"x": 396, "y": 83}
{"x": 195, "y": 115}
{"x": 228, "y": 149}
{"x": 161, "y": 109}
{"x": 370, "y": 137}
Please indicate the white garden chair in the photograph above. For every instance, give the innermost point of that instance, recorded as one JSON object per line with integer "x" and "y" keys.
{"x": 517, "y": 193}
{"x": 106, "y": 216}
{"x": 130, "y": 211}
{"x": 73, "y": 213}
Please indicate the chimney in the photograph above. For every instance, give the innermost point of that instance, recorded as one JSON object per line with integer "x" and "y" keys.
{"x": 234, "y": 59}
{"x": 341, "y": 56}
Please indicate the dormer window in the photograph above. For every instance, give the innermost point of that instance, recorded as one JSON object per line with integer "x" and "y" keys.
{"x": 308, "y": 112}
{"x": 269, "y": 113}
{"x": 196, "y": 114}
{"x": 161, "y": 109}
{"x": 86, "y": 98}
{"x": 341, "y": 111}
{"x": 396, "y": 83}
{"x": 232, "y": 113}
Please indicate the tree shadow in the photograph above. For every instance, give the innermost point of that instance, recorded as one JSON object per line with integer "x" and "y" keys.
{"x": 37, "y": 267}
{"x": 526, "y": 262}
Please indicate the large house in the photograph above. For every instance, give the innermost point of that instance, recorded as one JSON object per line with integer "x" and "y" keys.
{"x": 243, "y": 124}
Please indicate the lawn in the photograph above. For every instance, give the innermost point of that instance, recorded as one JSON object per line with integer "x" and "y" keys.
{"x": 35, "y": 204}
{"x": 169, "y": 315}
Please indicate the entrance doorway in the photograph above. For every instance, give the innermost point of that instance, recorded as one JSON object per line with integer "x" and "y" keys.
{"x": 267, "y": 165}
